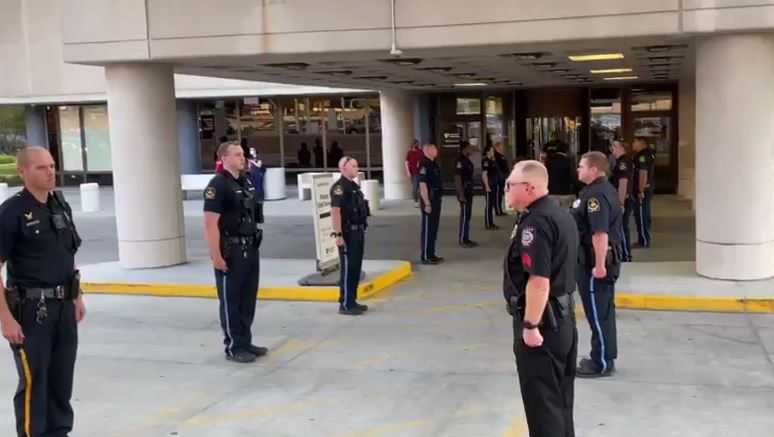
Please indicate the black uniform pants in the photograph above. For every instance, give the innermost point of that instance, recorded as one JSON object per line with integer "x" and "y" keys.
{"x": 500, "y": 195}
{"x": 547, "y": 378}
{"x": 490, "y": 199}
{"x": 626, "y": 244}
{"x": 466, "y": 211}
{"x": 430, "y": 224}
{"x": 46, "y": 363}
{"x": 598, "y": 297}
{"x": 238, "y": 295}
{"x": 351, "y": 259}
{"x": 643, "y": 219}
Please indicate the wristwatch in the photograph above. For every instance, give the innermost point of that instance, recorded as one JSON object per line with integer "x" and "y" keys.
{"x": 529, "y": 325}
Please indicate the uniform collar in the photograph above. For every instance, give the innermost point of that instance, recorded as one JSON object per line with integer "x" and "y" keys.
{"x": 598, "y": 180}
{"x": 29, "y": 198}
{"x": 537, "y": 204}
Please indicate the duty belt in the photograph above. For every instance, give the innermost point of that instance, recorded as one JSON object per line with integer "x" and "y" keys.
{"x": 60, "y": 292}
{"x": 354, "y": 227}
{"x": 248, "y": 239}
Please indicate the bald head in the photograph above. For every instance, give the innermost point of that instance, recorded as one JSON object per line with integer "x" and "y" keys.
{"x": 29, "y": 154}
{"x": 530, "y": 171}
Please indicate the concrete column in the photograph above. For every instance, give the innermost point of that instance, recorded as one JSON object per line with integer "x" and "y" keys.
{"x": 35, "y": 123}
{"x": 188, "y": 137}
{"x": 422, "y": 127}
{"x": 734, "y": 157}
{"x": 687, "y": 143}
{"x": 397, "y": 112}
{"x": 146, "y": 165}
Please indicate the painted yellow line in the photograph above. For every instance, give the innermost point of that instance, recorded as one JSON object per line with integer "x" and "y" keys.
{"x": 366, "y": 290}
{"x": 517, "y": 428}
{"x": 727, "y": 304}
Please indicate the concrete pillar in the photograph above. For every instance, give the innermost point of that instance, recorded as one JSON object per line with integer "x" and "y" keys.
{"x": 188, "y": 137}
{"x": 422, "y": 127}
{"x": 397, "y": 112}
{"x": 734, "y": 157}
{"x": 687, "y": 142}
{"x": 146, "y": 165}
{"x": 35, "y": 123}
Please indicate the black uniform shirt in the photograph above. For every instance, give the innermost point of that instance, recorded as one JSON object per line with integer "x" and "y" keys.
{"x": 502, "y": 164}
{"x": 234, "y": 199}
{"x": 465, "y": 169}
{"x": 545, "y": 243}
{"x": 624, "y": 169}
{"x": 38, "y": 254}
{"x": 598, "y": 210}
{"x": 490, "y": 167}
{"x": 644, "y": 160}
{"x": 430, "y": 173}
{"x": 346, "y": 194}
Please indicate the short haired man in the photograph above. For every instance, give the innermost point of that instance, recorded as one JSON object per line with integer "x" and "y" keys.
{"x": 644, "y": 186}
{"x": 411, "y": 165}
{"x": 430, "y": 186}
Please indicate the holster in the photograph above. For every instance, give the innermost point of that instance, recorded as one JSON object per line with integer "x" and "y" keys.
{"x": 14, "y": 300}
{"x": 258, "y": 238}
{"x": 75, "y": 285}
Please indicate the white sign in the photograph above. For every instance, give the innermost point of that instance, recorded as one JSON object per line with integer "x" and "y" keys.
{"x": 326, "y": 250}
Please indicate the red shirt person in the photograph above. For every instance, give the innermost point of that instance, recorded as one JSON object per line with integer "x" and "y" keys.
{"x": 411, "y": 165}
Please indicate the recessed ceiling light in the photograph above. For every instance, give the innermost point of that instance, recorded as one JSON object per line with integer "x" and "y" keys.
{"x": 558, "y": 70}
{"x": 435, "y": 69}
{"x": 402, "y": 61}
{"x": 401, "y": 82}
{"x": 544, "y": 64}
{"x": 290, "y": 65}
{"x": 372, "y": 77}
{"x": 596, "y": 57}
{"x": 611, "y": 71}
{"x": 470, "y": 84}
{"x": 524, "y": 56}
{"x": 465, "y": 75}
{"x": 622, "y": 78}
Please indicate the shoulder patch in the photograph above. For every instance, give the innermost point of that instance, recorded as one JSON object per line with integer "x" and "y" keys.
{"x": 337, "y": 190}
{"x": 527, "y": 236}
{"x": 210, "y": 193}
{"x": 593, "y": 204}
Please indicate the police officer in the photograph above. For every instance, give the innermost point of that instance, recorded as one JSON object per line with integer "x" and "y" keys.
{"x": 42, "y": 304}
{"x": 623, "y": 172}
{"x": 539, "y": 278}
{"x": 350, "y": 214}
{"x": 503, "y": 171}
{"x": 489, "y": 176}
{"x": 233, "y": 238}
{"x": 463, "y": 182}
{"x": 430, "y": 187}
{"x": 644, "y": 169}
{"x": 598, "y": 213}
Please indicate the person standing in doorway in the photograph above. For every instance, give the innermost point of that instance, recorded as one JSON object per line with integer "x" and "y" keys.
{"x": 539, "y": 279}
{"x": 504, "y": 170}
{"x": 622, "y": 178}
{"x": 349, "y": 210}
{"x": 319, "y": 160}
{"x": 598, "y": 213}
{"x": 489, "y": 180}
{"x": 411, "y": 165}
{"x": 304, "y": 156}
{"x": 257, "y": 174}
{"x": 430, "y": 187}
{"x": 233, "y": 237}
{"x": 644, "y": 185}
{"x": 463, "y": 182}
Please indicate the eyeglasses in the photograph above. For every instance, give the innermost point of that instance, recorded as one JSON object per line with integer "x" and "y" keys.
{"x": 509, "y": 184}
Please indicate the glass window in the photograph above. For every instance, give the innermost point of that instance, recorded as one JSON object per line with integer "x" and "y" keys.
{"x": 495, "y": 123}
{"x": 652, "y": 101}
{"x": 606, "y": 122}
{"x": 95, "y": 126}
{"x": 70, "y": 133}
{"x": 468, "y": 106}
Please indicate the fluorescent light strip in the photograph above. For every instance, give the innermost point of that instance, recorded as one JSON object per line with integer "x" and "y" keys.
{"x": 611, "y": 71}
{"x": 621, "y": 78}
{"x": 598, "y": 57}
{"x": 471, "y": 84}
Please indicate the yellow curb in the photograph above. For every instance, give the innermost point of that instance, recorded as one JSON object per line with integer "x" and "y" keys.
{"x": 721, "y": 304}
{"x": 366, "y": 289}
